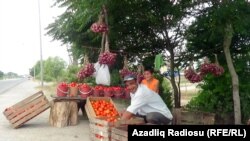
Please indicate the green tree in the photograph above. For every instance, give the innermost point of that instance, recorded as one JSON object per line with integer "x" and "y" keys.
{"x": 70, "y": 74}
{"x": 151, "y": 27}
{"x": 35, "y": 70}
{"x": 1, "y": 75}
{"x": 54, "y": 68}
{"x": 223, "y": 26}
{"x": 141, "y": 29}
{"x": 73, "y": 26}
{"x": 11, "y": 75}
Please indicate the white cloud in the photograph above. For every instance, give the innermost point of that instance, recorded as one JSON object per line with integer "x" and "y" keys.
{"x": 19, "y": 34}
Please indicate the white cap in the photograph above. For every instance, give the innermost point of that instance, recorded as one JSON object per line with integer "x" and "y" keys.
{"x": 129, "y": 77}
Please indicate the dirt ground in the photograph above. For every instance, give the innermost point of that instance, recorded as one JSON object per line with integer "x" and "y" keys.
{"x": 187, "y": 92}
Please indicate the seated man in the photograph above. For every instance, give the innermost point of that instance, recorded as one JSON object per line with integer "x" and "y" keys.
{"x": 145, "y": 103}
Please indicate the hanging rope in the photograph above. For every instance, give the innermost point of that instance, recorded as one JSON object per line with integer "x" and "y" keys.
{"x": 125, "y": 62}
{"x": 106, "y": 57}
{"x": 103, "y": 42}
{"x": 216, "y": 59}
{"x": 140, "y": 69}
{"x": 85, "y": 60}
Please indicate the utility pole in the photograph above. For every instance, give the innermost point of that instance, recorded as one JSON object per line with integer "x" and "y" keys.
{"x": 34, "y": 72}
{"x": 41, "y": 50}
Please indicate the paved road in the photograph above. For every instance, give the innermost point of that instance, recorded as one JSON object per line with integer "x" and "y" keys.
{"x": 9, "y": 83}
{"x": 38, "y": 128}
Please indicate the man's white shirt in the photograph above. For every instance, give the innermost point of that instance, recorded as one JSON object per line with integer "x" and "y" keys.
{"x": 145, "y": 101}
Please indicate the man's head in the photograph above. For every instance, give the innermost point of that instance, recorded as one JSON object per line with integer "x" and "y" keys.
{"x": 131, "y": 83}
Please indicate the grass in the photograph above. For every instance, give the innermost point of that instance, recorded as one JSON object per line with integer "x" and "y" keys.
{"x": 189, "y": 94}
{"x": 48, "y": 89}
{"x": 188, "y": 90}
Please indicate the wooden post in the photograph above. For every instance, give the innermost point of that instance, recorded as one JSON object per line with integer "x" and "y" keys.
{"x": 63, "y": 113}
{"x": 177, "y": 116}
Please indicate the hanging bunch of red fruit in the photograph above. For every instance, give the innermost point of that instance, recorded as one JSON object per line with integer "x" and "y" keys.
{"x": 213, "y": 68}
{"x": 126, "y": 71}
{"x": 107, "y": 58}
{"x": 206, "y": 68}
{"x": 100, "y": 26}
{"x": 86, "y": 71}
{"x": 192, "y": 76}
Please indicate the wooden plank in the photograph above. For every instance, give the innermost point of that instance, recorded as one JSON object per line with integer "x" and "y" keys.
{"x": 58, "y": 98}
{"x": 30, "y": 116}
{"x": 20, "y": 110}
{"x": 28, "y": 111}
{"x": 134, "y": 120}
{"x": 94, "y": 138}
{"x": 118, "y": 137}
{"x": 97, "y": 130}
{"x": 90, "y": 109}
{"x": 122, "y": 130}
{"x": 27, "y": 100}
{"x": 120, "y": 133}
{"x": 100, "y": 127}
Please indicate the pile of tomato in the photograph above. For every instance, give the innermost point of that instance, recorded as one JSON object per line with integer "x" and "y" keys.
{"x": 105, "y": 109}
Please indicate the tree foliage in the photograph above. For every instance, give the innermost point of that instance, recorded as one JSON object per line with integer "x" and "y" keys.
{"x": 54, "y": 68}
{"x": 142, "y": 29}
{"x": 137, "y": 29}
{"x": 206, "y": 37}
{"x": 1, "y": 74}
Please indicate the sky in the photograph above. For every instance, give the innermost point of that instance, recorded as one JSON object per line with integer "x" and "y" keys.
{"x": 20, "y": 38}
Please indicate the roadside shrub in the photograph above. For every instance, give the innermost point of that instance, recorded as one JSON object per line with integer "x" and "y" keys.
{"x": 216, "y": 96}
{"x": 70, "y": 74}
